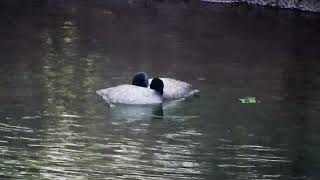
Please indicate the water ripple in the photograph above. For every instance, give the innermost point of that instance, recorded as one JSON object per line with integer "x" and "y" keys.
{"x": 7, "y": 127}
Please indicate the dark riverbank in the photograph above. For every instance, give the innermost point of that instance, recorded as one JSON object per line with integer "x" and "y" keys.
{"x": 305, "y": 5}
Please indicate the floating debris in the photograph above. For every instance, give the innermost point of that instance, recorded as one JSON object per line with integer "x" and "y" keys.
{"x": 248, "y": 100}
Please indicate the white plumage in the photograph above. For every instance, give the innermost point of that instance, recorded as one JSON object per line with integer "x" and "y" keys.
{"x": 130, "y": 94}
{"x": 144, "y": 91}
{"x": 176, "y": 89}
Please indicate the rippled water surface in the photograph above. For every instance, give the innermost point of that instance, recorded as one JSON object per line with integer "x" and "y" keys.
{"x": 56, "y": 54}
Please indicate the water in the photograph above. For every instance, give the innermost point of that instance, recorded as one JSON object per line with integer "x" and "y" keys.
{"x": 56, "y": 54}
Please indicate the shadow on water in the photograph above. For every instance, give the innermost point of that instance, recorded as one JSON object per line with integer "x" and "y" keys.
{"x": 300, "y": 81}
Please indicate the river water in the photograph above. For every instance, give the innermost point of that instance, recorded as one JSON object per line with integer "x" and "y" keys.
{"x": 56, "y": 54}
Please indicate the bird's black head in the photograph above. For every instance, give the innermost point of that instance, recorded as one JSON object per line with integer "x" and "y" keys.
{"x": 140, "y": 79}
{"x": 157, "y": 84}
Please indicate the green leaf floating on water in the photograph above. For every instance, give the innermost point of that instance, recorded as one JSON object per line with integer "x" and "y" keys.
{"x": 248, "y": 100}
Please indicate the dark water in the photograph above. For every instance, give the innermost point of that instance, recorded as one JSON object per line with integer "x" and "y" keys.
{"x": 56, "y": 54}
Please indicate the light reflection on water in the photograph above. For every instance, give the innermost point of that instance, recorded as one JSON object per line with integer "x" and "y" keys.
{"x": 65, "y": 149}
{"x": 53, "y": 126}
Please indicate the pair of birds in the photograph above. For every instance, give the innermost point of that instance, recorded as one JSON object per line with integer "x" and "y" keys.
{"x": 140, "y": 92}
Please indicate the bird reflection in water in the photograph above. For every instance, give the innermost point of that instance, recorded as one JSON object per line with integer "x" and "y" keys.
{"x": 137, "y": 112}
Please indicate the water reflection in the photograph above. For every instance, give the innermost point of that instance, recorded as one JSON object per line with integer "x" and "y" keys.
{"x": 124, "y": 150}
{"x": 132, "y": 113}
{"x": 54, "y": 58}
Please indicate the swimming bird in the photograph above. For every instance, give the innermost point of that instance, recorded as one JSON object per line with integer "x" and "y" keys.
{"x": 133, "y": 94}
{"x": 176, "y": 89}
{"x": 141, "y": 79}
{"x": 173, "y": 89}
